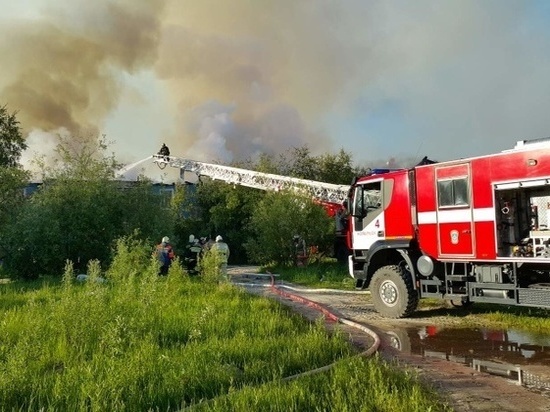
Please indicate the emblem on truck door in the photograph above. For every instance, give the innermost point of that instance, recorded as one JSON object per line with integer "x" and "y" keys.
{"x": 454, "y": 237}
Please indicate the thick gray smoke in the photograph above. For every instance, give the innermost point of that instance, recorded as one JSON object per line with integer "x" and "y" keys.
{"x": 380, "y": 79}
{"x": 61, "y": 70}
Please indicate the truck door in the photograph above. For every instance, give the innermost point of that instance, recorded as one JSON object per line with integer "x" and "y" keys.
{"x": 368, "y": 217}
{"x": 454, "y": 211}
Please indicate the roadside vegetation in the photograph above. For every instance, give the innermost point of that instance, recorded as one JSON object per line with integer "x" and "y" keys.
{"x": 533, "y": 320}
{"x": 127, "y": 339}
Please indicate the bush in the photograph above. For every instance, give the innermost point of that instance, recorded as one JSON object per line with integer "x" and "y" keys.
{"x": 277, "y": 218}
{"x": 78, "y": 214}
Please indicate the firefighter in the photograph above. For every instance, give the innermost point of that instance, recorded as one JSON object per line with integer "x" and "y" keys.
{"x": 300, "y": 251}
{"x": 164, "y": 151}
{"x": 192, "y": 252}
{"x": 207, "y": 245}
{"x": 222, "y": 250}
{"x": 165, "y": 254}
{"x": 341, "y": 220}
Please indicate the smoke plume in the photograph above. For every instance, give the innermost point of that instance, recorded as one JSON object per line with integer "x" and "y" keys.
{"x": 379, "y": 79}
{"x": 63, "y": 68}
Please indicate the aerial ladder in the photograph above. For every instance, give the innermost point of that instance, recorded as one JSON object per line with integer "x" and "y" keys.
{"x": 325, "y": 193}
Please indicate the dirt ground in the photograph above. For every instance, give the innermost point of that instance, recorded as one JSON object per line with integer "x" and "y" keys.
{"x": 465, "y": 388}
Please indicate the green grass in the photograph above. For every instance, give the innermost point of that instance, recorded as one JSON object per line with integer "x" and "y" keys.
{"x": 327, "y": 273}
{"x": 355, "y": 384}
{"x": 533, "y": 320}
{"x": 140, "y": 342}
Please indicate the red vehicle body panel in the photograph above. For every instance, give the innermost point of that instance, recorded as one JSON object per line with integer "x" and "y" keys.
{"x": 469, "y": 231}
{"x": 399, "y": 208}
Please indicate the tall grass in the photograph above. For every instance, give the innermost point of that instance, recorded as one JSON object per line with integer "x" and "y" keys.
{"x": 141, "y": 342}
{"x": 356, "y": 384}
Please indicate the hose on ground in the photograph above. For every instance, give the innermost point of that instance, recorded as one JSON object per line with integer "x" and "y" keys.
{"x": 330, "y": 316}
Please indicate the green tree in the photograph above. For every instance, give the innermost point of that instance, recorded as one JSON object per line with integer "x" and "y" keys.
{"x": 277, "y": 218}
{"x": 226, "y": 211}
{"x": 336, "y": 168}
{"x": 12, "y": 143}
{"x": 13, "y": 178}
{"x": 189, "y": 216}
{"x": 12, "y": 183}
{"x": 330, "y": 168}
{"x": 80, "y": 211}
{"x": 298, "y": 162}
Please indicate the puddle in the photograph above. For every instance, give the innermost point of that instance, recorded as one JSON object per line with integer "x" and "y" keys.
{"x": 520, "y": 357}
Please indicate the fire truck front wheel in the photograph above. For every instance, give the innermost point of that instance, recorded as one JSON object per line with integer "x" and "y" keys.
{"x": 393, "y": 293}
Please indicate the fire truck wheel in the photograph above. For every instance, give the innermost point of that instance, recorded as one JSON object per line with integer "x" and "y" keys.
{"x": 393, "y": 293}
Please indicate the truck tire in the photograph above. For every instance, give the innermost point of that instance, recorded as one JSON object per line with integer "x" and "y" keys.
{"x": 393, "y": 293}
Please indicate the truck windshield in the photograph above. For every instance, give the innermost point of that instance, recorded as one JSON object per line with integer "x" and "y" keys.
{"x": 367, "y": 197}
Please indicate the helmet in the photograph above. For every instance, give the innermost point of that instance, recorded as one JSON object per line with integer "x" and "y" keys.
{"x": 165, "y": 239}
{"x": 191, "y": 238}
{"x": 219, "y": 238}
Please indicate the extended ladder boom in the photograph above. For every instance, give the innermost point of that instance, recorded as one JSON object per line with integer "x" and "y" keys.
{"x": 323, "y": 192}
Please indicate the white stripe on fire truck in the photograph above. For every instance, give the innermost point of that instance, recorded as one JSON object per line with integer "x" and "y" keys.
{"x": 457, "y": 216}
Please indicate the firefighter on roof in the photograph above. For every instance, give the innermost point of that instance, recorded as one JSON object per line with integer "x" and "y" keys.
{"x": 164, "y": 151}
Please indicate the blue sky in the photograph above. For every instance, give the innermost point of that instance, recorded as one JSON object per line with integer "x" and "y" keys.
{"x": 223, "y": 81}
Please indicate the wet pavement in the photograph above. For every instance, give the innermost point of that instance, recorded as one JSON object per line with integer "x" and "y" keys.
{"x": 519, "y": 357}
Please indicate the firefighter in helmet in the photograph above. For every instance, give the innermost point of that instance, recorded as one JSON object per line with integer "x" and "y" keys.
{"x": 222, "y": 250}
{"x": 192, "y": 253}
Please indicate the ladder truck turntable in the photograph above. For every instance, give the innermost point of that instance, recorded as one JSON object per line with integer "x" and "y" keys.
{"x": 467, "y": 230}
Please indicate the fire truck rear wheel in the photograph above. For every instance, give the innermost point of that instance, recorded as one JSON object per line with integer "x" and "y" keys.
{"x": 393, "y": 293}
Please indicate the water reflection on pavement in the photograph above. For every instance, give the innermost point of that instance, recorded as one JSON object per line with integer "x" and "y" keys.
{"x": 519, "y": 356}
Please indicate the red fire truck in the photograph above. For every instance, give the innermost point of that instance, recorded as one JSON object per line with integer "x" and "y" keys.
{"x": 468, "y": 230}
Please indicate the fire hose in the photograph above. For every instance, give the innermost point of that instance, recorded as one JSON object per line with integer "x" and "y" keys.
{"x": 328, "y": 315}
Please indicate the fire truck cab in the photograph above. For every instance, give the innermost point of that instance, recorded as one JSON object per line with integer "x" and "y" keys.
{"x": 468, "y": 230}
